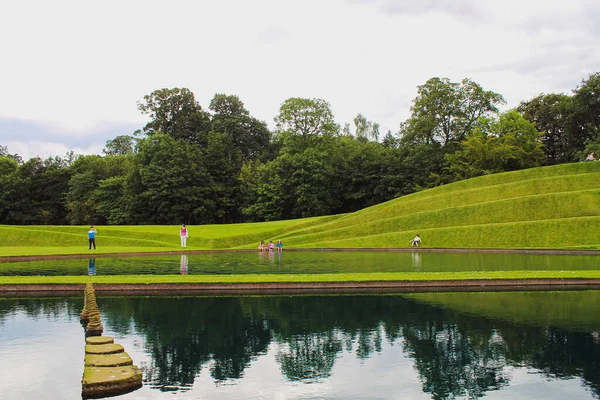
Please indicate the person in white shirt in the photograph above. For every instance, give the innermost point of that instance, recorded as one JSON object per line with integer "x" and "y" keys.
{"x": 416, "y": 241}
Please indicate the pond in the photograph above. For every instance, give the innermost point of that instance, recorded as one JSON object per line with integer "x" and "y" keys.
{"x": 291, "y": 262}
{"x": 518, "y": 345}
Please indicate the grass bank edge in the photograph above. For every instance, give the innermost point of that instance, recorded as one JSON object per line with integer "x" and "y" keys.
{"x": 299, "y": 278}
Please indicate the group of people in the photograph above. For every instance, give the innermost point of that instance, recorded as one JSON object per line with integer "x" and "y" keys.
{"x": 271, "y": 246}
{"x": 183, "y": 234}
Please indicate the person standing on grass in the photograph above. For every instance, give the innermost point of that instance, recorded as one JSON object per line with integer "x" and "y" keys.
{"x": 92, "y": 237}
{"x": 183, "y": 233}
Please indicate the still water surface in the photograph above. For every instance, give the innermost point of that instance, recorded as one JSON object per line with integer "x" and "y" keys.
{"x": 518, "y": 345}
{"x": 302, "y": 262}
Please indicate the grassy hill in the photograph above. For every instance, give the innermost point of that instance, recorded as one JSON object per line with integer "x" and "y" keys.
{"x": 548, "y": 207}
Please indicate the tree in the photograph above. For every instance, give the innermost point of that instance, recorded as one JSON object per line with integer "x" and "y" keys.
{"x": 506, "y": 144}
{"x": 249, "y": 135}
{"x": 365, "y": 128}
{"x": 4, "y": 153}
{"x": 445, "y": 111}
{"x": 168, "y": 183}
{"x": 120, "y": 146}
{"x": 586, "y": 104}
{"x": 552, "y": 115}
{"x": 86, "y": 174}
{"x": 176, "y": 113}
{"x": 227, "y": 105}
{"x": 306, "y": 118}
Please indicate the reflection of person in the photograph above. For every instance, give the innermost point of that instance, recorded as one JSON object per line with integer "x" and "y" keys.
{"x": 92, "y": 267}
{"x": 591, "y": 157}
{"x": 416, "y": 241}
{"x": 92, "y": 237}
{"x": 184, "y": 234}
{"x": 279, "y": 246}
{"x": 183, "y": 265}
{"x": 416, "y": 260}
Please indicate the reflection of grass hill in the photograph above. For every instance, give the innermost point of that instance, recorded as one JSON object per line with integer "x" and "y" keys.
{"x": 564, "y": 309}
{"x": 548, "y": 207}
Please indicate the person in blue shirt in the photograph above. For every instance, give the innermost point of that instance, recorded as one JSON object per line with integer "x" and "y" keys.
{"x": 92, "y": 237}
{"x": 279, "y": 246}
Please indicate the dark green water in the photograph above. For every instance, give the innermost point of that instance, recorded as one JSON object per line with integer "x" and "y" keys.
{"x": 517, "y": 345}
{"x": 302, "y": 262}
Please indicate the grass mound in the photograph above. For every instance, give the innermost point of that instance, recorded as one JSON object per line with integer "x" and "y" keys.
{"x": 548, "y": 207}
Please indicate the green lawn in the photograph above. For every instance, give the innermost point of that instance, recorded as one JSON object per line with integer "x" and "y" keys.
{"x": 299, "y": 278}
{"x": 555, "y": 207}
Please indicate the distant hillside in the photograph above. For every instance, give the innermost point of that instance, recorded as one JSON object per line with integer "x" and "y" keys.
{"x": 547, "y": 207}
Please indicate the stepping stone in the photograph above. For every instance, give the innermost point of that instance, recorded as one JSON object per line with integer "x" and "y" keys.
{"x": 108, "y": 360}
{"x": 105, "y": 381}
{"x": 103, "y": 348}
{"x": 99, "y": 340}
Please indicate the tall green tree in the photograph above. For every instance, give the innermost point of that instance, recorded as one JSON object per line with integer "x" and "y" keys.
{"x": 176, "y": 113}
{"x": 445, "y": 111}
{"x": 497, "y": 145}
{"x": 251, "y": 136}
{"x": 168, "y": 183}
{"x": 552, "y": 115}
{"x": 120, "y": 146}
{"x": 300, "y": 120}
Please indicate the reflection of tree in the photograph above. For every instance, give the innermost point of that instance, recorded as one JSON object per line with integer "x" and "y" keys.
{"x": 565, "y": 354}
{"x": 183, "y": 334}
{"x": 455, "y": 354}
{"x": 309, "y": 357}
{"x": 36, "y": 307}
{"x": 450, "y": 359}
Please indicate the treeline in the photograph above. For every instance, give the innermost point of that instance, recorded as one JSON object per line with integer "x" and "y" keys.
{"x": 221, "y": 165}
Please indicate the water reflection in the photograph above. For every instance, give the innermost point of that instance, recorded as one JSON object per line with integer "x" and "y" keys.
{"x": 183, "y": 265}
{"x": 416, "y": 261}
{"x": 92, "y": 266}
{"x": 455, "y": 354}
{"x": 306, "y": 262}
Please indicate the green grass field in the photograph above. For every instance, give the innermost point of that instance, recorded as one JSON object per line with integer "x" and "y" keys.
{"x": 555, "y": 207}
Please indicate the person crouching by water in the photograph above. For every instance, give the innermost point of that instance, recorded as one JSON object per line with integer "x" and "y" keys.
{"x": 271, "y": 246}
{"x": 261, "y": 246}
{"x": 416, "y": 241}
{"x": 279, "y": 246}
{"x": 92, "y": 237}
{"x": 184, "y": 235}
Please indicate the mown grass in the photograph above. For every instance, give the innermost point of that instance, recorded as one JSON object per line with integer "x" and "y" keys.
{"x": 555, "y": 207}
{"x": 298, "y": 278}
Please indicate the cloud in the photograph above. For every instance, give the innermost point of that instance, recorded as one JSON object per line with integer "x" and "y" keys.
{"x": 272, "y": 34}
{"x": 68, "y": 75}
{"x": 30, "y": 139}
{"x": 419, "y": 7}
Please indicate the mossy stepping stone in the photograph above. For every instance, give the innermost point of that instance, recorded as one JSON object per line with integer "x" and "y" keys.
{"x": 105, "y": 381}
{"x": 99, "y": 340}
{"x": 103, "y": 348}
{"x": 108, "y": 360}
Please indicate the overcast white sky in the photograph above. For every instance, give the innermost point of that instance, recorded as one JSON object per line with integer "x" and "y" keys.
{"x": 72, "y": 71}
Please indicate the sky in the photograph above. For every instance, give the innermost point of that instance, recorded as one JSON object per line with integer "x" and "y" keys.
{"x": 72, "y": 71}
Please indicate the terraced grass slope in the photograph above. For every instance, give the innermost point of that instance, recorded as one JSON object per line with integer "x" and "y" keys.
{"x": 548, "y": 207}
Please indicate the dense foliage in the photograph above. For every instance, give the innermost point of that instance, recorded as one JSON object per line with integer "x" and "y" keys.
{"x": 221, "y": 165}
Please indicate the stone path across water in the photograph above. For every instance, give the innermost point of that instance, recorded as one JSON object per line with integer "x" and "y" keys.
{"x": 108, "y": 369}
